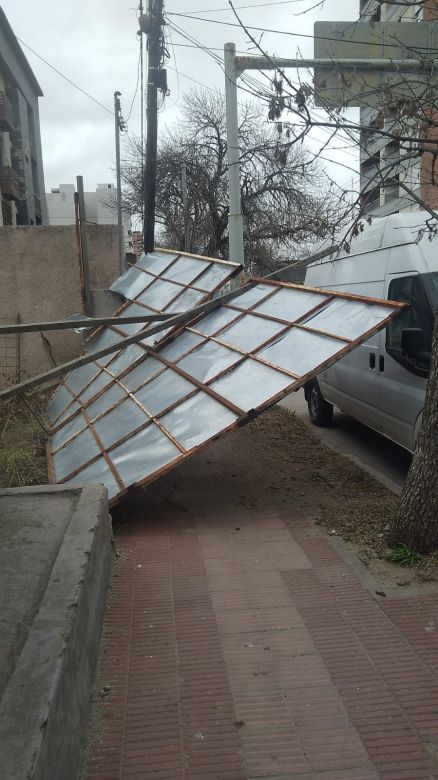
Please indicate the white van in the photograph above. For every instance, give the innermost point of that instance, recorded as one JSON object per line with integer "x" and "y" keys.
{"x": 382, "y": 383}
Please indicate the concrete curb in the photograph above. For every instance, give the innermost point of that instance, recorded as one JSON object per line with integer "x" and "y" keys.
{"x": 45, "y": 707}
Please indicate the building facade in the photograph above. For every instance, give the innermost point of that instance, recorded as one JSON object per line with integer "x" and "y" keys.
{"x": 22, "y": 189}
{"x": 382, "y": 167}
{"x": 100, "y": 208}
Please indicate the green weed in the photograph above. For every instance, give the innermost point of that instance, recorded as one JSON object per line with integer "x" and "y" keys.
{"x": 403, "y": 555}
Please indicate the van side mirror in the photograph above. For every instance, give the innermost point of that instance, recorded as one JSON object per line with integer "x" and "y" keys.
{"x": 412, "y": 341}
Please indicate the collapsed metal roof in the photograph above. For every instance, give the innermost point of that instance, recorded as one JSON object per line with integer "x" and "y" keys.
{"x": 127, "y": 419}
{"x": 165, "y": 282}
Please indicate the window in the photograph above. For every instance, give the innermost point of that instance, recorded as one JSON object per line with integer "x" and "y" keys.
{"x": 420, "y": 314}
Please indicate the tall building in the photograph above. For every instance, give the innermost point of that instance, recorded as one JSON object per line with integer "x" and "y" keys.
{"x": 382, "y": 167}
{"x": 21, "y": 163}
{"x": 100, "y": 208}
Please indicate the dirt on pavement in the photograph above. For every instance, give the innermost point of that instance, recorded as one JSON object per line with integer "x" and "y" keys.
{"x": 345, "y": 500}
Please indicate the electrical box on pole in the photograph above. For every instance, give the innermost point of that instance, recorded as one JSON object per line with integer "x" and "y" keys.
{"x": 400, "y": 62}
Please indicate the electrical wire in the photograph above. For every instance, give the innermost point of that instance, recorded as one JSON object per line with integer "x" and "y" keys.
{"x": 239, "y": 7}
{"x": 195, "y": 81}
{"x": 76, "y": 86}
{"x": 215, "y": 57}
{"x": 138, "y": 80}
{"x": 256, "y": 88}
{"x": 287, "y": 32}
{"x": 175, "y": 102}
{"x": 189, "y": 37}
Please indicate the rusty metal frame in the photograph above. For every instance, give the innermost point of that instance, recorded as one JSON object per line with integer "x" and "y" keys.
{"x": 323, "y": 291}
{"x": 242, "y": 416}
{"x": 86, "y": 322}
{"x": 170, "y": 337}
{"x": 240, "y": 313}
{"x": 206, "y": 294}
{"x": 174, "y": 321}
{"x": 236, "y": 269}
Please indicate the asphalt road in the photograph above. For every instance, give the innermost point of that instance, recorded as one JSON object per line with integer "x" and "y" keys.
{"x": 387, "y": 461}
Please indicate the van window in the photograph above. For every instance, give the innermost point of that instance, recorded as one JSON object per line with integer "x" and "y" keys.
{"x": 414, "y": 291}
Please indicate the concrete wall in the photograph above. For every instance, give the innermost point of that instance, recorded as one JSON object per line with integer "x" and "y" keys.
{"x": 40, "y": 280}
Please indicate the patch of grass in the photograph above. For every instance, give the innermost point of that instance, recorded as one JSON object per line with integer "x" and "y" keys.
{"x": 22, "y": 443}
{"x": 404, "y": 556}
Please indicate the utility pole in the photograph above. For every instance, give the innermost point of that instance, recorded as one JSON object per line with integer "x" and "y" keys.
{"x": 151, "y": 24}
{"x": 81, "y": 226}
{"x": 185, "y": 200}
{"x": 235, "y": 221}
{"x": 119, "y": 125}
{"x": 343, "y": 45}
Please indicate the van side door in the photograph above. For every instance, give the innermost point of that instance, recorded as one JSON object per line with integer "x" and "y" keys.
{"x": 351, "y": 383}
{"x": 401, "y": 386}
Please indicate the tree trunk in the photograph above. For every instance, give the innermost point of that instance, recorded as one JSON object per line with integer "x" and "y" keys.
{"x": 416, "y": 520}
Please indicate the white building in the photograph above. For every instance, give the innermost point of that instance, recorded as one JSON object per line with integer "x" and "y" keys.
{"x": 100, "y": 208}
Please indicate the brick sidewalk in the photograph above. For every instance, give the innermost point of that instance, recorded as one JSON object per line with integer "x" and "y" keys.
{"x": 238, "y": 644}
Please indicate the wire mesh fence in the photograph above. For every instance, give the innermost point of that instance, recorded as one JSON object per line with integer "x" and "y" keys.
{"x": 9, "y": 355}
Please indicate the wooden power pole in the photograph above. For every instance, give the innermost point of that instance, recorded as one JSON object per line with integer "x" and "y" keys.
{"x": 151, "y": 24}
{"x": 119, "y": 125}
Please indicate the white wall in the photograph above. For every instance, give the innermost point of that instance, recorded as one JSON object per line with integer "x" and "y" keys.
{"x": 61, "y": 206}
{"x": 100, "y": 208}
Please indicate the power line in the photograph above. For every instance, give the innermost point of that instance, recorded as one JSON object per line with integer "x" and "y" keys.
{"x": 262, "y": 92}
{"x": 215, "y": 57}
{"x": 194, "y": 41}
{"x": 190, "y": 78}
{"x": 210, "y": 48}
{"x": 175, "y": 102}
{"x": 87, "y": 94}
{"x": 239, "y": 7}
{"x": 138, "y": 79}
{"x": 286, "y": 32}
{"x": 346, "y": 150}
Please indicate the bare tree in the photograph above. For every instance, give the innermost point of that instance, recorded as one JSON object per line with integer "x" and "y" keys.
{"x": 286, "y": 199}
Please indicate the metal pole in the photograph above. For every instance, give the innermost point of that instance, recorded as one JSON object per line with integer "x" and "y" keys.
{"x": 235, "y": 222}
{"x": 234, "y": 67}
{"x": 82, "y": 323}
{"x": 249, "y": 62}
{"x": 140, "y": 8}
{"x": 155, "y": 9}
{"x": 90, "y": 357}
{"x": 79, "y": 251}
{"x": 185, "y": 200}
{"x": 84, "y": 246}
{"x": 119, "y": 185}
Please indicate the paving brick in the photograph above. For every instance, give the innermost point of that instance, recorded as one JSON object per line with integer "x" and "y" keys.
{"x": 239, "y": 646}
{"x": 274, "y": 598}
{"x": 280, "y": 618}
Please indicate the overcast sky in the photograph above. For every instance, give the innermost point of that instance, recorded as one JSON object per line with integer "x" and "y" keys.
{"x": 94, "y": 43}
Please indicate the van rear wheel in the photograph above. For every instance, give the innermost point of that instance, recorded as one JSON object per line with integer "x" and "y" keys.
{"x": 320, "y": 411}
